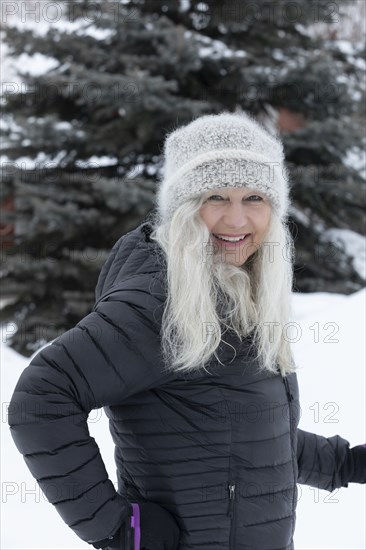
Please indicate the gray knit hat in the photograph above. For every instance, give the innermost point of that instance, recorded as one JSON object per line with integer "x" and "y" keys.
{"x": 222, "y": 150}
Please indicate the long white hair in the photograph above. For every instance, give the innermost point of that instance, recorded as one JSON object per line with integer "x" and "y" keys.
{"x": 204, "y": 293}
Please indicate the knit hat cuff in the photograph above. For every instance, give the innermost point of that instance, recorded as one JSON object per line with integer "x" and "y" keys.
{"x": 225, "y": 168}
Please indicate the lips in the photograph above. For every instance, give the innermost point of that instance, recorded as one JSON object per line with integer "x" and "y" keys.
{"x": 230, "y": 243}
{"x": 228, "y": 237}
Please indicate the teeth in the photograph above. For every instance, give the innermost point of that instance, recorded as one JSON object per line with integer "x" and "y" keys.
{"x": 230, "y": 239}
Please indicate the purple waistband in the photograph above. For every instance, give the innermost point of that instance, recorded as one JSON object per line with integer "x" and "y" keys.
{"x": 135, "y": 524}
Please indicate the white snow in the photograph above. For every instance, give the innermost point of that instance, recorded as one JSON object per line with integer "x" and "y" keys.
{"x": 214, "y": 49}
{"x": 345, "y": 46}
{"x": 54, "y": 15}
{"x": 36, "y": 64}
{"x": 46, "y": 161}
{"x": 352, "y": 243}
{"x": 202, "y": 6}
{"x": 151, "y": 169}
{"x": 302, "y": 29}
{"x": 351, "y": 86}
{"x": 297, "y": 214}
{"x": 278, "y": 54}
{"x": 218, "y": 50}
{"x": 63, "y": 125}
{"x": 357, "y": 62}
{"x": 8, "y": 123}
{"x": 40, "y": 161}
{"x": 352, "y": 50}
{"x": 97, "y": 161}
{"x": 330, "y": 354}
{"x": 184, "y": 5}
{"x": 355, "y": 158}
{"x": 39, "y": 17}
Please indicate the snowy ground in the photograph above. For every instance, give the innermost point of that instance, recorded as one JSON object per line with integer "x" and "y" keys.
{"x": 330, "y": 353}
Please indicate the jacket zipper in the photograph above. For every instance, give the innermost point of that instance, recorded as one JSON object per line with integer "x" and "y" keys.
{"x": 290, "y": 398}
{"x": 231, "y": 487}
{"x": 231, "y": 513}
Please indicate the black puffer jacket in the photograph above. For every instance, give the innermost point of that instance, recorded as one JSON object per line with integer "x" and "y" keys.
{"x": 221, "y": 452}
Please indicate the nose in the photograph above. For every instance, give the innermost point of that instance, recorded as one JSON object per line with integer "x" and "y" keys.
{"x": 235, "y": 216}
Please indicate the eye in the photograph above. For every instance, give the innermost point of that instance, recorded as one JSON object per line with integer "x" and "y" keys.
{"x": 215, "y": 197}
{"x": 258, "y": 197}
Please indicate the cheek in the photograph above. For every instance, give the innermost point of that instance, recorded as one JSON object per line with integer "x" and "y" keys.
{"x": 262, "y": 222}
{"x": 210, "y": 217}
{"x": 261, "y": 231}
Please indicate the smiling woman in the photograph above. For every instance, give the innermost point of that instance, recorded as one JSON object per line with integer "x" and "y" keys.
{"x": 238, "y": 221}
{"x": 155, "y": 353}
{"x": 224, "y": 181}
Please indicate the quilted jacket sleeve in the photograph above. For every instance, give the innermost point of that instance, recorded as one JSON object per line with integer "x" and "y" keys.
{"x": 99, "y": 362}
{"x": 328, "y": 462}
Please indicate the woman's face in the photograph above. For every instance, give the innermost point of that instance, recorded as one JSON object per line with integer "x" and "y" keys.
{"x": 236, "y": 212}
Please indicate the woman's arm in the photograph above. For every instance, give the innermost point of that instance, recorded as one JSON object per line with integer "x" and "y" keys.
{"x": 327, "y": 462}
{"x": 103, "y": 360}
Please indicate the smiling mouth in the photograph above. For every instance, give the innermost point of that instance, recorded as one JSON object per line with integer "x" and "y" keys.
{"x": 230, "y": 243}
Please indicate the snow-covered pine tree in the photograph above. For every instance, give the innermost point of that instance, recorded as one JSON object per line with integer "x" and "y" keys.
{"x": 82, "y": 139}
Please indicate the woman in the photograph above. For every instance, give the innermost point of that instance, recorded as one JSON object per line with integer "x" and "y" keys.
{"x": 186, "y": 351}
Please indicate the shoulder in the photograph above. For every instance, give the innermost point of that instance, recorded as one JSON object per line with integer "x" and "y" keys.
{"x": 132, "y": 264}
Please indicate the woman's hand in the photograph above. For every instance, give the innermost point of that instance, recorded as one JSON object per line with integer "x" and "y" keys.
{"x": 358, "y": 464}
{"x": 159, "y": 529}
